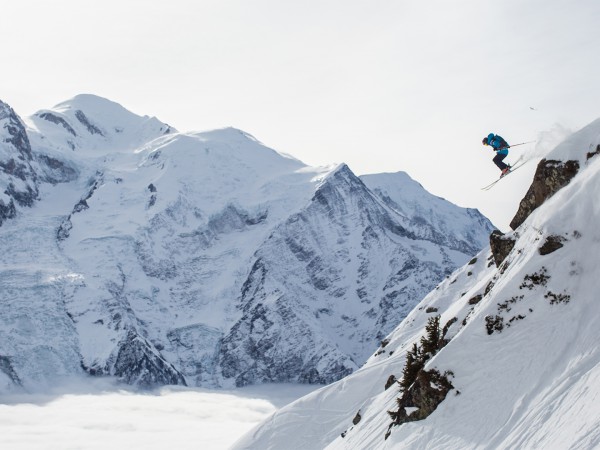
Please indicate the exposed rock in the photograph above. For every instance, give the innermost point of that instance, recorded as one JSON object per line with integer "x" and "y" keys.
{"x": 57, "y": 120}
{"x": 549, "y": 178}
{"x": 357, "y": 418}
{"x": 18, "y": 180}
{"x": 55, "y": 171}
{"x": 540, "y": 278}
{"x": 443, "y": 340}
{"x": 422, "y": 398}
{"x": 552, "y": 244}
{"x": 594, "y": 153}
{"x": 7, "y": 368}
{"x": 7, "y": 211}
{"x": 93, "y": 129}
{"x": 255, "y": 351}
{"x": 494, "y": 323}
{"x": 475, "y": 300}
{"x": 139, "y": 363}
{"x": 390, "y": 381}
{"x": 64, "y": 230}
{"x": 501, "y": 246}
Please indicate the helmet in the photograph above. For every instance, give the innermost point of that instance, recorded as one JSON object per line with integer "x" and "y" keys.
{"x": 485, "y": 141}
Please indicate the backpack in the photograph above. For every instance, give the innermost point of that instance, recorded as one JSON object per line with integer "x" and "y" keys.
{"x": 499, "y": 142}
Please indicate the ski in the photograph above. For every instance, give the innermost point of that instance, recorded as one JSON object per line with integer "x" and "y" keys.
{"x": 512, "y": 169}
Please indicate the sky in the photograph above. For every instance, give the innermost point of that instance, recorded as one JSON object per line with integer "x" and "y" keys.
{"x": 384, "y": 85}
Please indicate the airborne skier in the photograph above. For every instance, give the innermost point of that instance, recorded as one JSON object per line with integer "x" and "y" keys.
{"x": 500, "y": 146}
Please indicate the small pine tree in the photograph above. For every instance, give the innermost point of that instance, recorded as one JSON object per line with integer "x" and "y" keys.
{"x": 431, "y": 341}
{"x": 416, "y": 358}
{"x": 414, "y": 363}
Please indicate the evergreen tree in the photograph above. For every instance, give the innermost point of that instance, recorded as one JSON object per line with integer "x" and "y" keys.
{"x": 431, "y": 341}
{"x": 414, "y": 363}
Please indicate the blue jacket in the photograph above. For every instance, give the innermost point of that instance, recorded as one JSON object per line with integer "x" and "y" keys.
{"x": 498, "y": 143}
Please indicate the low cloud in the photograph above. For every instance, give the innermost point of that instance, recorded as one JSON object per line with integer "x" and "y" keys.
{"x": 120, "y": 419}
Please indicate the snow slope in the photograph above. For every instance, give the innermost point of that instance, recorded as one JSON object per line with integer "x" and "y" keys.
{"x": 207, "y": 258}
{"x": 522, "y": 355}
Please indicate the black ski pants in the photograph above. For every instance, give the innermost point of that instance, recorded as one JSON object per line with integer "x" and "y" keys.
{"x": 498, "y": 161}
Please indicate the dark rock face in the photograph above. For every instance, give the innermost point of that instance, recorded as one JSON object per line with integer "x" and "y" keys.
{"x": 594, "y": 153}
{"x": 501, "y": 246}
{"x": 93, "y": 129}
{"x": 58, "y": 121}
{"x": 55, "y": 171}
{"x": 549, "y": 178}
{"x": 390, "y": 381}
{"x": 64, "y": 230}
{"x": 7, "y": 211}
{"x": 551, "y": 244}
{"x": 7, "y": 368}
{"x": 258, "y": 350}
{"x": 17, "y": 177}
{"x": 140, "y": 364}
{"x": 425, "y": 394}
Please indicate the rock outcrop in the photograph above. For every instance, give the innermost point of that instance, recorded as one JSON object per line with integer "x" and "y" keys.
{"x": 18, "y": 180}
{"x": 501, "y": 245}
{"x": 549, "y": 178}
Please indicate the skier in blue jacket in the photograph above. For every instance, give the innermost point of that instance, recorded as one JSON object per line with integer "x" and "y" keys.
{"x": 500, "y": 146}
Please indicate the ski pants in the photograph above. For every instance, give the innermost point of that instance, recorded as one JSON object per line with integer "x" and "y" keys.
{"x": 498, "y": 160}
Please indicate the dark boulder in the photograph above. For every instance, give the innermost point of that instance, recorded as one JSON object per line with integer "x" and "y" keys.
{"x": 501, "y": 246}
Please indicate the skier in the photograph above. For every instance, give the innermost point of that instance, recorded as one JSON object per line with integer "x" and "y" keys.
{"x": 501, "y": 147}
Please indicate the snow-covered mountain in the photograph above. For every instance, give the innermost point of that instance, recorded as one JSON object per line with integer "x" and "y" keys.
{"x": 206, "y": 259}
{"x": 514, "y": 361}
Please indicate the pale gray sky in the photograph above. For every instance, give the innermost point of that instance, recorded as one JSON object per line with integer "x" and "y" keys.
{"x": 381, "y": 85}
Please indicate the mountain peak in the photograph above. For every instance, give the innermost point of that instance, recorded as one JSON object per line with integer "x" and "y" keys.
{"x": 227, "y": 134}
{"x": 101, "y": 109}
{"x": 90, "y": 122}
{"x": 88, "y": 102}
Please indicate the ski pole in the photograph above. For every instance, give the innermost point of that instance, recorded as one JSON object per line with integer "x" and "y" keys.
{"x": 522, "y": 143}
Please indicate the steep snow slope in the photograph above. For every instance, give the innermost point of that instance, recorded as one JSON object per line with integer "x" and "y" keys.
{"x": 208, "y": 258}
{"x": 522, "y": 355}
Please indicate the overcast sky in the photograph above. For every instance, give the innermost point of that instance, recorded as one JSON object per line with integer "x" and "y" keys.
{"x": 381, "y": 85}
